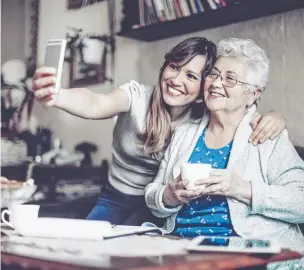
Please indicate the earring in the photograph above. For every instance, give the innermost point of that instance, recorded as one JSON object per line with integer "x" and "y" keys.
{"x": 248, "y": 106}
{"x": 199, "y": 100}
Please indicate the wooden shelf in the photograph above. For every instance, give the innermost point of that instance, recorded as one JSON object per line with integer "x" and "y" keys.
{"x": 246, "y": 10}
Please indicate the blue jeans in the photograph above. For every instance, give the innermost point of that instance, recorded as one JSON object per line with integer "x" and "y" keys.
{"x": 122, "y": 209}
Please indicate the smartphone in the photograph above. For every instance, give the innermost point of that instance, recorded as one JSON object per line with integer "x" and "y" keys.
{"x": 54, "y": 57}
{"x": 232, "y": 244}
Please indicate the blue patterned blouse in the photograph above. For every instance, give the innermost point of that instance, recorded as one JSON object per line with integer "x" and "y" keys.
{"x": 207, "y": 215}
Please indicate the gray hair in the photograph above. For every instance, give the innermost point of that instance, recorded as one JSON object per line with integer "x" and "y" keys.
{"x": 254, "y": 58}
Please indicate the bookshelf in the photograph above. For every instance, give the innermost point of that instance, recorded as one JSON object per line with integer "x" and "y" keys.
{"x": 245, "y": 10}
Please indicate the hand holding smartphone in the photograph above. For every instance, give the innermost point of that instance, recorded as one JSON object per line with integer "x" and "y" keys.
{"x": 46, "y": 82}
{"x": 54, "y": 57}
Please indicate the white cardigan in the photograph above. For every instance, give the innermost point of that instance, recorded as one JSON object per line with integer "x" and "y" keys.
{"x": 276, "y": 173}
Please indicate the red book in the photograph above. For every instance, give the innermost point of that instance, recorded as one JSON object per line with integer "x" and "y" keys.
{"x": 223, "y": 2}
{"x": 178, "y": 9}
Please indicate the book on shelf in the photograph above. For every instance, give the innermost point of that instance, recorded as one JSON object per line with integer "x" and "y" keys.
{"x": 212, "y": 4}
{"x": 199, "y": 5}
{"x": 160, "y": 9}
{"x": 190, "y": 6}
{"x": 171, "y": 9}
{"x": 224, "y": 4}
{"x": 178, "y": 9}
{"x": 152, "y": 16}
{"x": 217, "y": 3}
{"x": 141, "y": 5}
{"x": 195, "y": 6}
{"x": 185, "y": 8}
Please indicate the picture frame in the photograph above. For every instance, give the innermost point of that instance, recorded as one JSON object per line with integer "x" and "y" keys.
{"x": 88, "y": 63}
{"x": 76, "y": 4}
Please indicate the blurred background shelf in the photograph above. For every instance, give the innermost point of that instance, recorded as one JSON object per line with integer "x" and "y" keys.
{"x": 65, "y": 191}
{"x": 245, "y": 10}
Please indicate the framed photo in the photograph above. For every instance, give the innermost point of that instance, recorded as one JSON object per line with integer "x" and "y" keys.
{"x": 75, "y": 4}
{"x": 88, "y": 60}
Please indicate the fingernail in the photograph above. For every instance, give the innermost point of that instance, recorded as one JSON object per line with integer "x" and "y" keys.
{"x": 250, "y": 140}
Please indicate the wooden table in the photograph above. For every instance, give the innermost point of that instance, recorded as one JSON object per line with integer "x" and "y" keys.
{"x": 18, "y": 256}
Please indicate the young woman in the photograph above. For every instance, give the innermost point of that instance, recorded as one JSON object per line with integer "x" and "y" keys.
{"x": 147, "y": 117}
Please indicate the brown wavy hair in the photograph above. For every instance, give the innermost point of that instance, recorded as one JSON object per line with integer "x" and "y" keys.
{"x": 157, "y": 132}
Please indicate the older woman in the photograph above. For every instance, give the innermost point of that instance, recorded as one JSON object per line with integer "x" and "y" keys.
{"x": 253, "y": 191}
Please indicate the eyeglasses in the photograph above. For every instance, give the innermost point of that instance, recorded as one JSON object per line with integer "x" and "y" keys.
{"x": 226, "y": 79}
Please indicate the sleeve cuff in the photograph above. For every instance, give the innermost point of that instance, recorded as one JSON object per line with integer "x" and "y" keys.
{"x": 259, "y": 192}
{"x": 162, "y": 207}
{"x": 128, "y": 87}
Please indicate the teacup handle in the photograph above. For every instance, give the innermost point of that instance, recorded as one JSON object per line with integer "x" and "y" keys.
{"x": 6, "y": 222}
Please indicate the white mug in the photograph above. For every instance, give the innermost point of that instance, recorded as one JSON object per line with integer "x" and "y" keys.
{"x": 20, "y": 215}
{"x": 191, "y": 172}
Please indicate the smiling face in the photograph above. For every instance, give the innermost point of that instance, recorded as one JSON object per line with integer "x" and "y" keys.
{"x": 181, "y": 83}
{"x": 229, "y": 99}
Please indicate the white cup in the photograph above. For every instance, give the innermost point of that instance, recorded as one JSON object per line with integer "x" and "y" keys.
{"x": 190, "y": 173}
{"x": 20, "y": 215}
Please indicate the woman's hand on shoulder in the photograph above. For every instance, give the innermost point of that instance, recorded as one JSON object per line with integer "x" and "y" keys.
{"x": 176, "y": 194}
{"x": 267, "y": 126}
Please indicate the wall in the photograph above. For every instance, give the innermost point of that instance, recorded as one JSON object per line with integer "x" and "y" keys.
{"x": 13, "y": 42}
{"x": 282, "y": 37}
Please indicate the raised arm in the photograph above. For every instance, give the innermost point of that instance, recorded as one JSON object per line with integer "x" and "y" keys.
{"x": 81, "y": 102}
